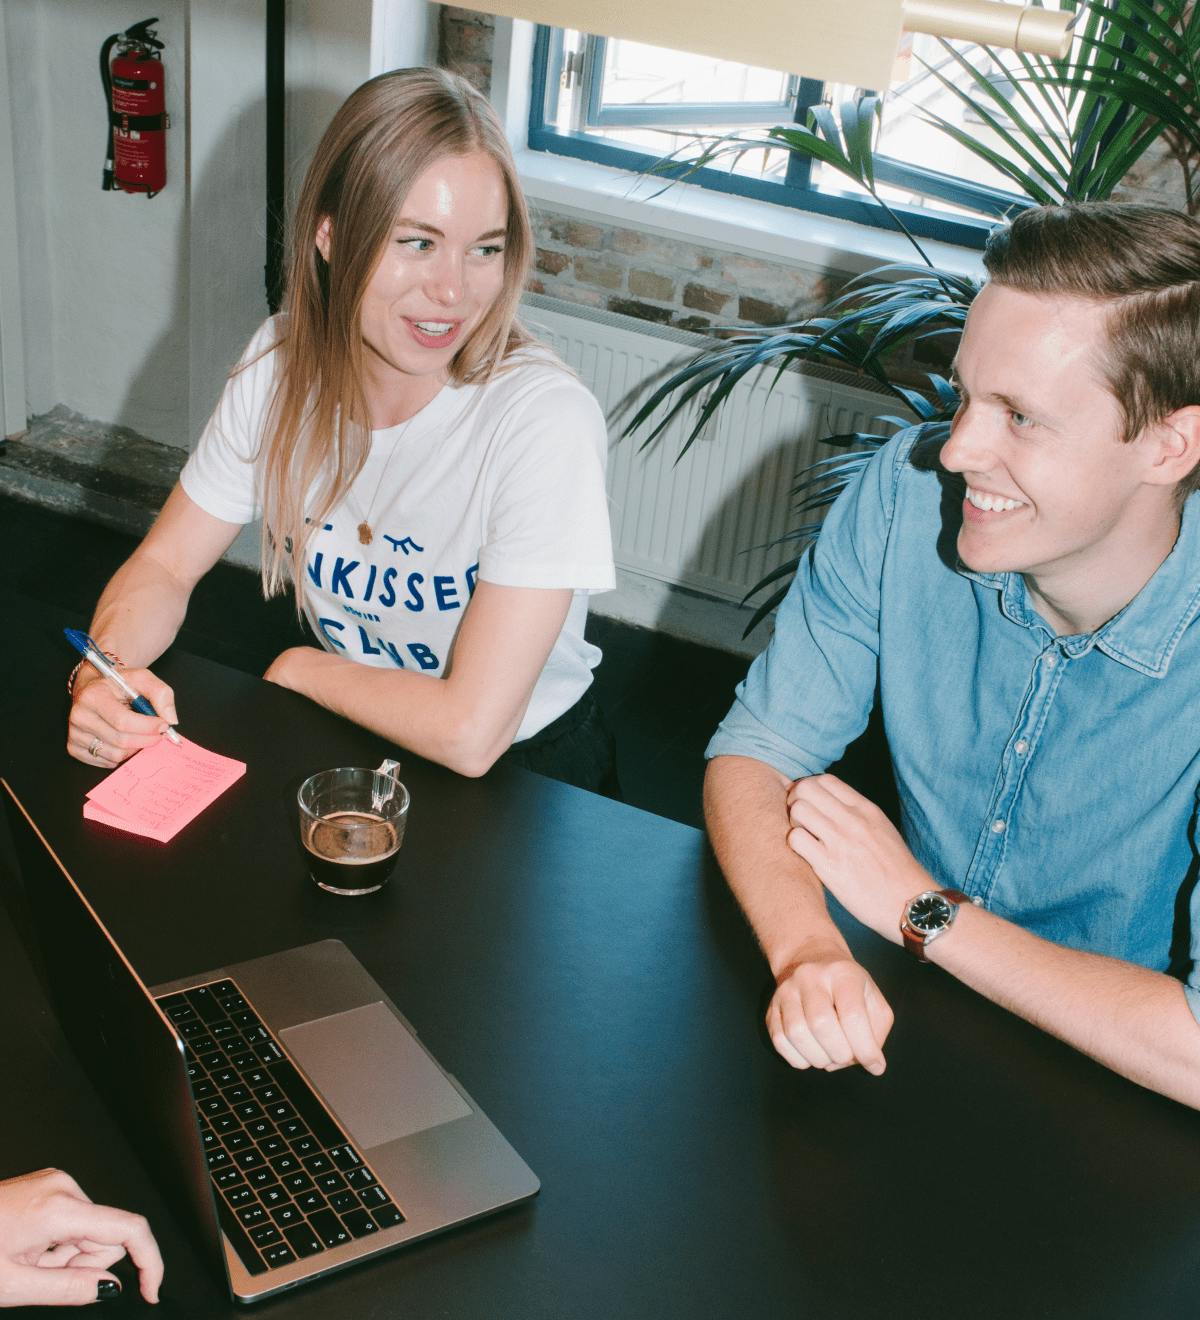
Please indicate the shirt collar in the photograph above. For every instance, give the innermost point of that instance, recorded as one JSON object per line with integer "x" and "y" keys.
{"x": 1145, "y": 633}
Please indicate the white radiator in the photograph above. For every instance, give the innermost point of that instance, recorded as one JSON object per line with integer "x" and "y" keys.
{"x": 711, "y": 520}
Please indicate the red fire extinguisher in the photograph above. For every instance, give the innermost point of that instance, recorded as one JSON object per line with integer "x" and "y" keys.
{"x": 135, "y": 155}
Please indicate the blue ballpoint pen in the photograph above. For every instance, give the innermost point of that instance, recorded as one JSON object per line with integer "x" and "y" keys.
{"x": 100, "y": 663}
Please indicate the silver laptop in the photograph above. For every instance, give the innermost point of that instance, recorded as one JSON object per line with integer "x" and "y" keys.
{"x": 299, "y": 1123}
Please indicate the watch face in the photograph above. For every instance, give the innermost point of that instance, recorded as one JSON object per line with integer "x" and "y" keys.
{"x": 928, "y": 913}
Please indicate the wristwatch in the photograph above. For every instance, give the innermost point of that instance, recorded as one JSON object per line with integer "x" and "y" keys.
{"x": 927, "y": 916}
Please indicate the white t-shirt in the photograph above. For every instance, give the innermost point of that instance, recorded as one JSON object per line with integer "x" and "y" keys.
{"x": 500, "y": 483}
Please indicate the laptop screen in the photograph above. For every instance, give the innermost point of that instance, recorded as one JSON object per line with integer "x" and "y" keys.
{"x": 127, "y": 1047}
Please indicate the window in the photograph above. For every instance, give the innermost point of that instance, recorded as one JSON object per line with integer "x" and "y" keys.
{"x": 629, "y": 105}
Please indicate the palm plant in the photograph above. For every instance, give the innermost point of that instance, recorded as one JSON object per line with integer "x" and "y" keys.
{"x": 1061, "y": 130}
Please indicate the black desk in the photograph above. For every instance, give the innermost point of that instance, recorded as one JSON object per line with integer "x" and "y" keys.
{"x": 580, "y": 966}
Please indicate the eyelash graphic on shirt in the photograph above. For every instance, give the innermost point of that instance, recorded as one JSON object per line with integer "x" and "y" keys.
{"x": 405, "y": 543}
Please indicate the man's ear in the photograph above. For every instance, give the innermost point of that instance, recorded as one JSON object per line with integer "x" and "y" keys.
{"x": 324, "y": 238}
{"x": 1177, "y": 448}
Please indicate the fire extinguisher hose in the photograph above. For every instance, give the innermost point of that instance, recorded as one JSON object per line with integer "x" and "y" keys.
{"x": 106, "y": 81}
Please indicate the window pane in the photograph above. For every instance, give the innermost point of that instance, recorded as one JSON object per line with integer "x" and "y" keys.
{"x": 636, "y": 74}
{"x": 665, "y": 102}
{"x": 661, "y": 104}
{"x": 907, "y": 134}
{"x": 683, "y": 145}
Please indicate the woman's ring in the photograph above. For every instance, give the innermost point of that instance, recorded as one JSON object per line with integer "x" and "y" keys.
{"x": 94, "y": 748}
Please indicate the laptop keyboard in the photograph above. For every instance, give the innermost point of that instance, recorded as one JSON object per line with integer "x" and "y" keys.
{"x": 288, "y": 1181}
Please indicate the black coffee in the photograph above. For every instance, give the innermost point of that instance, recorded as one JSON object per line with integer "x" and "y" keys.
{"x": 351, "y": 851}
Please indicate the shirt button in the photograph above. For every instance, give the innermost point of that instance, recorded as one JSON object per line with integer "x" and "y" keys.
{"x": 1049, "y": 659}
{"x": 998, "y": 827}
{"x": 1020, "y": 747}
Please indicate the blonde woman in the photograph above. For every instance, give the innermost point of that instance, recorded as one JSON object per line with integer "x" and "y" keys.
{"x": 430, "y": 480}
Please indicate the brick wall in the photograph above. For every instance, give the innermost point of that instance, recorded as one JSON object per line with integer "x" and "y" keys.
{"x": 665, "y": 280}
{"x": 465, "y": 44}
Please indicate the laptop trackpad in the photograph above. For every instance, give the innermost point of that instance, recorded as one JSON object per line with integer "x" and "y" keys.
{"x": 373, "y": 1074}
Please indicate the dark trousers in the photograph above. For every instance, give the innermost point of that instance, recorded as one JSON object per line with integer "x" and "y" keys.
{"x": 577, "y": 748}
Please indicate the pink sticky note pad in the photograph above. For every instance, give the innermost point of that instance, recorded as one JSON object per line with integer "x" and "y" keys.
{"x": 158, "y": 791}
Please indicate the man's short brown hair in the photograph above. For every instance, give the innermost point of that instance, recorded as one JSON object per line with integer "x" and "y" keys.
{"x": 1144, "y": 261}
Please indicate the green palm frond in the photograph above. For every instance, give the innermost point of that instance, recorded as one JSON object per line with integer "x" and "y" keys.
{"x": 873, "y": 320}
{"x": 844, "y": 141}
{"x": 819, "y": 492}
{"x": 1071, "y": 129}
{"x": 1037, "y": 165}
{"x": 707, "y": 380}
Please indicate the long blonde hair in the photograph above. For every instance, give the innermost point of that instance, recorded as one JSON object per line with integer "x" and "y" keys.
{"x": 317, "y": 434}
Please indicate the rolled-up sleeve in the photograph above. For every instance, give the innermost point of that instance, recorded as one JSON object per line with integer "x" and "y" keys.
{"x": 809, "y": 694}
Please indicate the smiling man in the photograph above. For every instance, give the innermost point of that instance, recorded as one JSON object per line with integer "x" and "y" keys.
{"x": 1027, "y": 607}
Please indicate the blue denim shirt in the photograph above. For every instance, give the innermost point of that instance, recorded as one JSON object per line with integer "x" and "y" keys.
{"x": 1053, "y": 778}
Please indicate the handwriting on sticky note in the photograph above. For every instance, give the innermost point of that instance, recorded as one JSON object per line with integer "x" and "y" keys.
{"x": 158, "y": 791}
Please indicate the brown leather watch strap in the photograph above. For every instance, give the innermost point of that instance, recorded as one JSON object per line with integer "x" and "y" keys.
{"x": 914, "y": 942}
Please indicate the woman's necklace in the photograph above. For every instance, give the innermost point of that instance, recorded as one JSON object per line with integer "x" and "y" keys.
{"x": 365, "y": 534}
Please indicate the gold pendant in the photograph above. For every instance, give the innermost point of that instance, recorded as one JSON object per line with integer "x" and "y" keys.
{"x": 364, "y": 533}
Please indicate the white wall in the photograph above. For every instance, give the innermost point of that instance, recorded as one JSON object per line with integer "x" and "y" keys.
{"x": 12, "y": 340}
{"x": 132, "y": 310}
{"x": 25, "y": 68}
{"x": 102, "y": 282}
{"x": 328, "y": 55}
{"x": 222, "y": 265}
{"x": 332, "y": 47}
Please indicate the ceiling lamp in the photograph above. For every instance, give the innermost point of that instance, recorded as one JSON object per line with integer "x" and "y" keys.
{"x": 846, "y": 41}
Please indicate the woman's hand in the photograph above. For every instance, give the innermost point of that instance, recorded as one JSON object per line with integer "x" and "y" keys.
{"x": 57, "y": 1246}
{"x": 138, "y": 616}
{"x": 102, "y": 730}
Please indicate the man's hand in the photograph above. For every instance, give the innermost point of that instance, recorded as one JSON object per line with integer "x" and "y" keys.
{"x": 856, "y": 851}
{"x": 827, "y": 1012}
{"x": 103, "y": 730}
{"x": 57, "y": 1246}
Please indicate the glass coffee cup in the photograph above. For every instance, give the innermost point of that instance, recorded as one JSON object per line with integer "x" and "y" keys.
{"x": 352, "y": 825}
